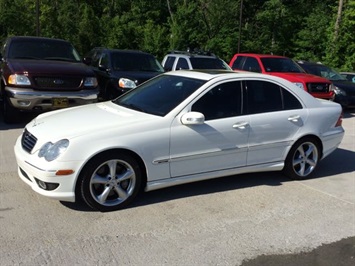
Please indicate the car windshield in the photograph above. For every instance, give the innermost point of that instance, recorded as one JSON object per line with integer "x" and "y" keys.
{"x": 323, "y": 71}
{"x": 135, "y": 62}
{"x": 208, "y": 63}
{"x": 43, "y": 49}
{"x": 285, "y": 65}
{"x": 159, "y": 95}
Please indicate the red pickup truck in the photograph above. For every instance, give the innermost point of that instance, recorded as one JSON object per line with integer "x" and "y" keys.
{"x": 286, "y": 68}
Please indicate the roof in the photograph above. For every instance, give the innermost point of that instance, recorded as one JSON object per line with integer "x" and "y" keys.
{"x": 35, "y": 38}
{"x": 120, "y": 50}
{"x": 263, "y": 55}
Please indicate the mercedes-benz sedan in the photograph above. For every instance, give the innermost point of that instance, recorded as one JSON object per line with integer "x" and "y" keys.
{"x": 176, "y": 128}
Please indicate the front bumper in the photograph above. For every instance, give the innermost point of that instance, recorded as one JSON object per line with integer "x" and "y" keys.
{"x": 345, "y": 101}
{"x": 35, "y": 171}
{"x": 29, "y": 99}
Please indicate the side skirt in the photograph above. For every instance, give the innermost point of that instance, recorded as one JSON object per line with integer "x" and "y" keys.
{"x": 169, "y": 182}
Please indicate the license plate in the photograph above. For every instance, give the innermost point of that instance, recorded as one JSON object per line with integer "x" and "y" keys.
{"x": 60, "y": 102}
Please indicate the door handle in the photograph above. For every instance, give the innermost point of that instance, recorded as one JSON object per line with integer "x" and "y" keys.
{"x": 294, "y": 118}
{"x": 241, "y": 125}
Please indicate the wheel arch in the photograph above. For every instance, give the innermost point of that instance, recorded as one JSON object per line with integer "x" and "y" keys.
{"x": 114, "y": 150}
{"x": 316, "y": 139}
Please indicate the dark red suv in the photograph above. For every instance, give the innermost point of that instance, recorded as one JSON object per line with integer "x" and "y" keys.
{"x": 39, "y": 74}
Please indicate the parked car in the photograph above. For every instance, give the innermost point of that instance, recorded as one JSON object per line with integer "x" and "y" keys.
{"x": 39, "y": 74}
{"x": 349, "y": 76}
{"x": 121, "y": 70}
{"x": 177, "y": 60}
{"x": 344, "y": 89}
{"x": 286, "y": 68}
{"x": 178, "y": 127}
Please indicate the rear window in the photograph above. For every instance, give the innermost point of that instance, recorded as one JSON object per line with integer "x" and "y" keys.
{"x": 280, "y": 65}
{"x": 207, "y": 63}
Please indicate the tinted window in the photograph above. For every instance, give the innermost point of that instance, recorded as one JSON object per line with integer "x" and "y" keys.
{"x": 207, "y": 63}
{"x": 220, "y": 102}
{"x": 251, "y": 64}
{"x": 280, "y": 64}
{"x": 168, "y": 66}
{"x": 290, "y": 102}
{"x": 237, "y": 64}
{"x": 265, "y": 97}
{"x": 182, "y": 64}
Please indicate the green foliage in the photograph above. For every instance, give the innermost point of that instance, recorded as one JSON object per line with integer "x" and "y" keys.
{"x": 300, "y": 29}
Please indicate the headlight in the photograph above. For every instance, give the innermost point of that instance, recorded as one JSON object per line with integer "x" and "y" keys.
{"x": 51, "y": 151}
{"x": 90, "y": 82}
{"x": 299, "y": 85}
{"x": 16, "y": 79}
{"x": 126, "y": 83}
{"x": 339, "y": 91}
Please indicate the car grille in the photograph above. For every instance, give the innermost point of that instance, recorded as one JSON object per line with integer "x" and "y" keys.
{"x": 28, "y": 141}
{"x": 318, "y": 87}
{"x": 58, "y": 82}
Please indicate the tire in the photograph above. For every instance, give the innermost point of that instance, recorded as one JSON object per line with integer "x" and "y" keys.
{"x": 10, "y": 114}
{"x": 302, "y": 159}
{"x": 103, "y": 193}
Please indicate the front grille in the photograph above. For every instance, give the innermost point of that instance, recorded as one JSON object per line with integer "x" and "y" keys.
{"x": 28, "y": 141}
{"x": 58, "y": 82}
{"x": 318, "y": 87}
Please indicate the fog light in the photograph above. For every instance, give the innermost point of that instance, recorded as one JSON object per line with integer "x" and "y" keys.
{"x": 42, "y": 184}
{"x": 46, "y": 185}
{"x": 24, "y": 103}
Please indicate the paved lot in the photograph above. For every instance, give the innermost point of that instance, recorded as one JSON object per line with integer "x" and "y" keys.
{"x": 218, "y": 222}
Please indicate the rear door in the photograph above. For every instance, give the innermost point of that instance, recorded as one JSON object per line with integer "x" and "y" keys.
{"x": 275, "y": 117}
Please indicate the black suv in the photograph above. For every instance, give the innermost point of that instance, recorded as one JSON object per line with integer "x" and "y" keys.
{"x": 39, "y": 74}
{"x": 176, "y": 60}
{"x": 344, "y": 89}
{"x": 118, "y": 71}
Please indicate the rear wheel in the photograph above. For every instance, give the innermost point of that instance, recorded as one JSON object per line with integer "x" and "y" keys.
{"x": 110, "y": 181}
{"x": 302, "y": 159}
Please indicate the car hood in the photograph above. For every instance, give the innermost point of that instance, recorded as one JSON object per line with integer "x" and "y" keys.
{"x": 137, "y": 76}
{"x": 48, "y": 67}
{"x": 77, "y": 121}
{"x": 344, "y": 85}
{"x": 299, "y": 77}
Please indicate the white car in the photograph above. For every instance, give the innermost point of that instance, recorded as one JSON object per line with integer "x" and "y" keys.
{"x": 177, "y": 128}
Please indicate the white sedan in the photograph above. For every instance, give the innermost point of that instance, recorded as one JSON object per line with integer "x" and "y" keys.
{"x": 177, "y": 128}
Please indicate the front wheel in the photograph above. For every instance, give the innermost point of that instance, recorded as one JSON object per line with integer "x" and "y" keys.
{"x": 110, "y": 181}
{"x": 10, "y": 113}
{"x": 302, "y": 159}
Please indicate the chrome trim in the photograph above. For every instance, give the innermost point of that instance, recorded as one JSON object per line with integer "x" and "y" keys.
{"x": 47, "y": 171}
{"x": 28, "y": 94}
{"x": 207, "y": 154}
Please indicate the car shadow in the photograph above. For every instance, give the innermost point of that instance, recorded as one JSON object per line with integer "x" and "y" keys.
{"x": 339, "y": 162}
{"x": 349, "y": 113}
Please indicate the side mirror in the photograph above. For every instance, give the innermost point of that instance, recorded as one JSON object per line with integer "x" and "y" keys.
{"x": 87, "y": 60}
{"x": 193, "y": 118}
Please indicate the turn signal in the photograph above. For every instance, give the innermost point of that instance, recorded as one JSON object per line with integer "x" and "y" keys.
{"x": 64, "y": 172}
